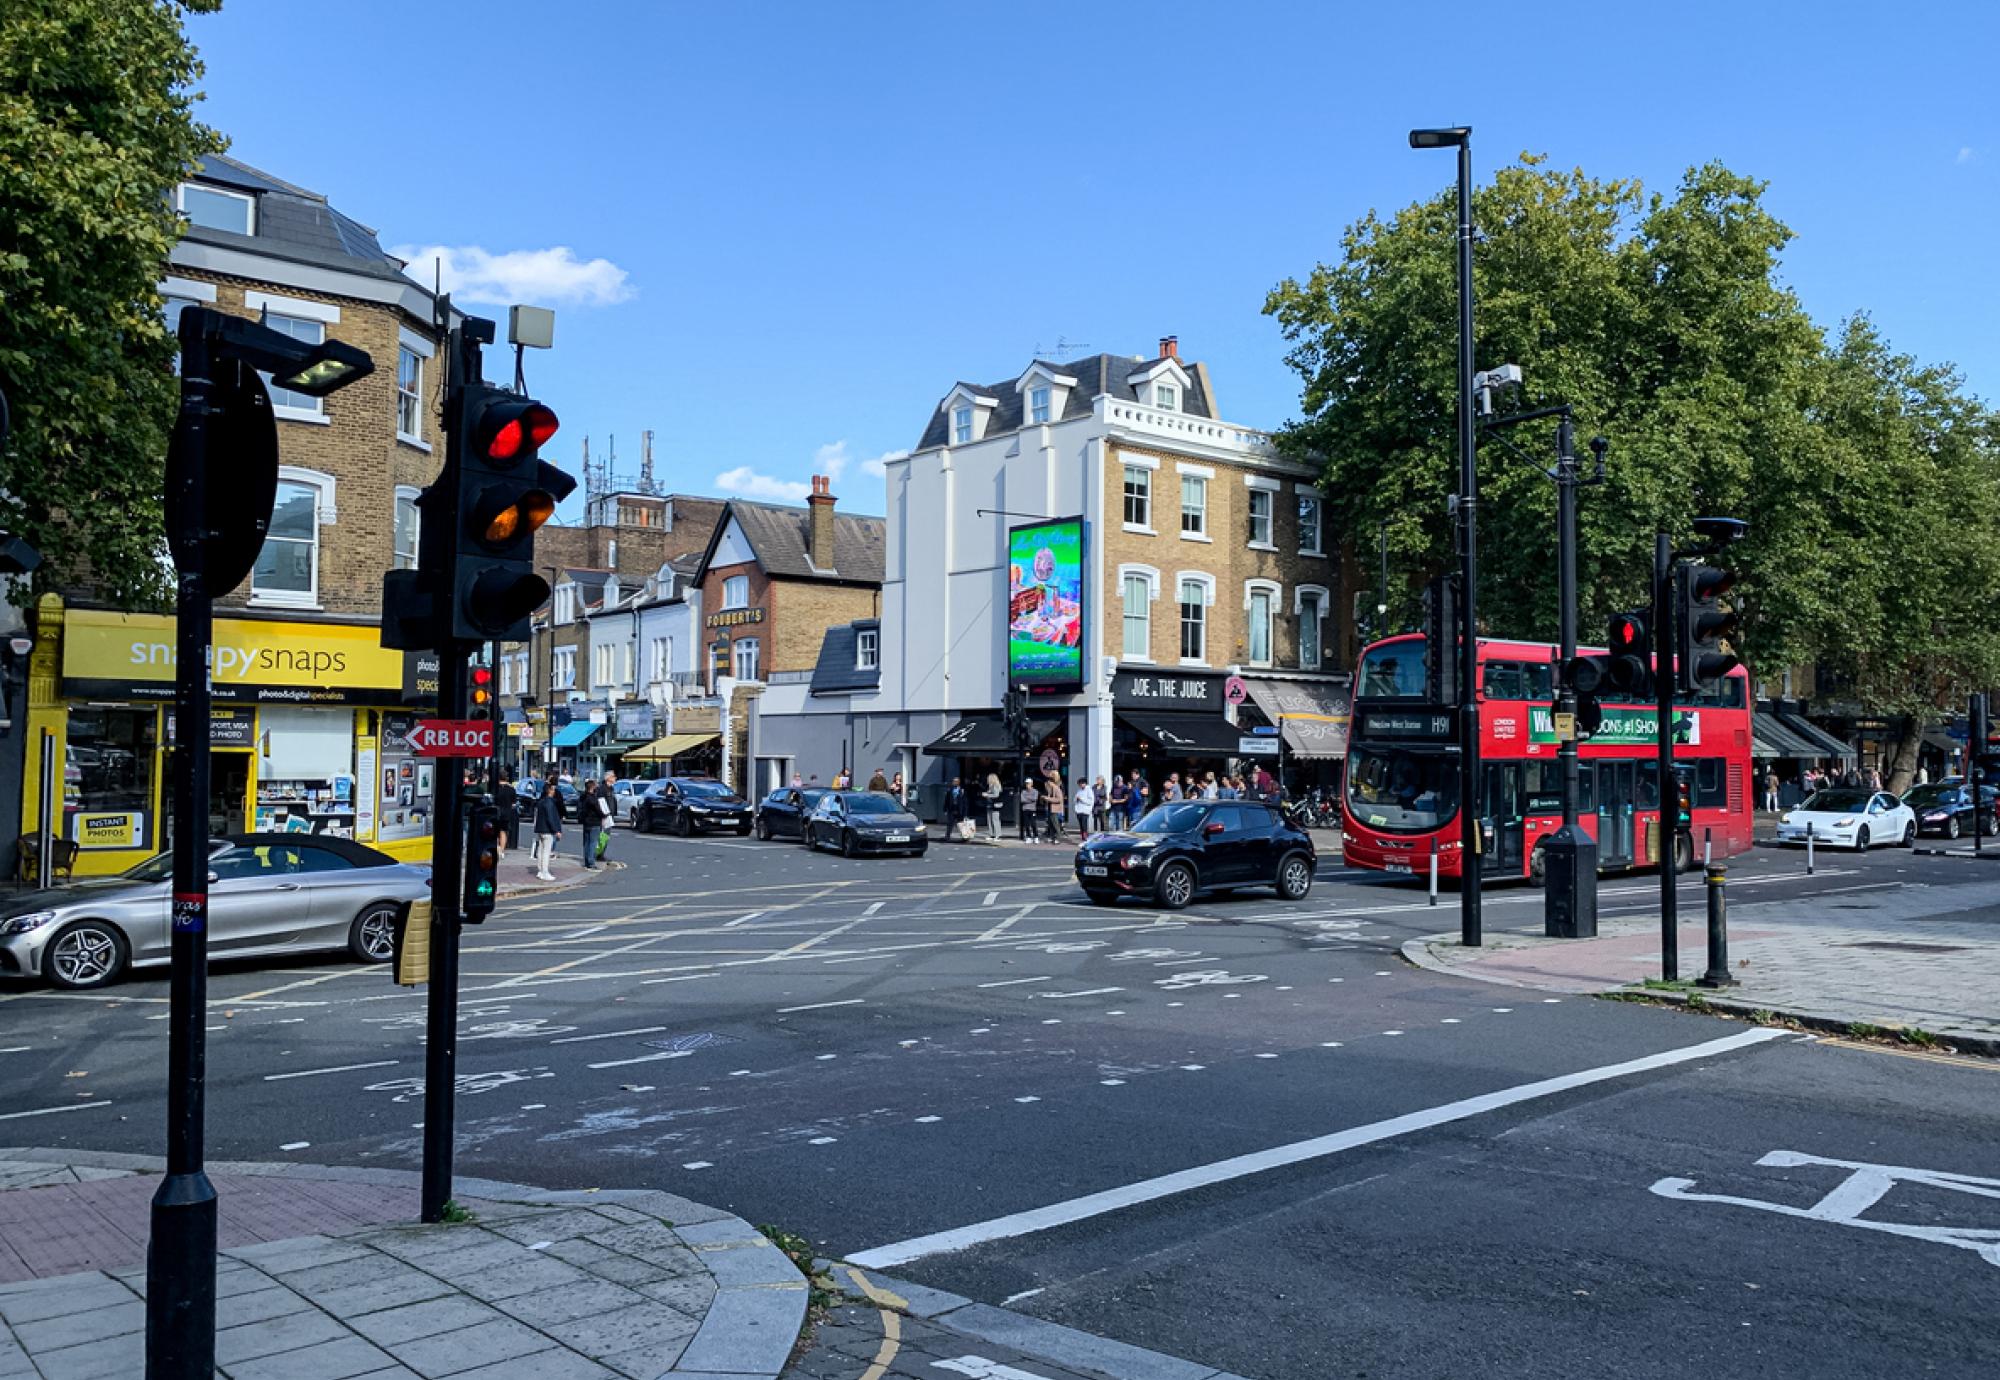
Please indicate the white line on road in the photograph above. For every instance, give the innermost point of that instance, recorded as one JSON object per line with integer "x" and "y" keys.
{"x": 642, "y": 1059}
{"x": 45, "y": 1111}
{"x": 743, "y": 919}
{"x": 991, "y": 897}
{"x": 1004, "y": 925}
{"x": 1013, "y": 982}
{"x": 608, "y": 1035}
{"x": 820, "y": 1005}
{"x": 338, "y": 1068}
{"x": 873, "y": 906}
{"x": 17, "y": 1049}
{"x": 1088, "y": 992}
{"x": 1221, "y": 1171}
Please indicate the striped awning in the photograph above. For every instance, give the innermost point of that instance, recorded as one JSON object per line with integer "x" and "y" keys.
{"x": 667, "y": 748}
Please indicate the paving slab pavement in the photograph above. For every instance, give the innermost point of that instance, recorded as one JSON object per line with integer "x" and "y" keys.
{"x": 323, "y": 1275}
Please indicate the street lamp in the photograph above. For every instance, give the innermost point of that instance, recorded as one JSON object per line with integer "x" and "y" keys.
{"x": 214, "y": 533}
{"x": 1460, "y": 137}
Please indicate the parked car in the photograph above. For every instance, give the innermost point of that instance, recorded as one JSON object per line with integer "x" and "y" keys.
{"x": 268, "y": 894}
{"x": 691, "y": 804}
{"x": 1848, "y": 818}
{"x": 628, "y": 801}
{"x": 1946, "y": 808}
{"x": 782, "y": 813}
{"x": 1178, "y": 850}
{"x": 525, "y": 803}
{"x": 858, "y": 822}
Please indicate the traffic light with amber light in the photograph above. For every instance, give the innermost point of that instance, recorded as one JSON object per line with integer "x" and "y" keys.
{"x": 1629, "y": 673}
{"x": 1700, "y": 627}
{"x": 482, "y": 862}
{"x": 503, "y": 492}
{"x": 479, "y": 700}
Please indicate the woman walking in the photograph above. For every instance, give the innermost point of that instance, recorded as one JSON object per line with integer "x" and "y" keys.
{"x": 508, "y": 801}
{"x": 548, "y": 829}
{"x": 994, "y": 796}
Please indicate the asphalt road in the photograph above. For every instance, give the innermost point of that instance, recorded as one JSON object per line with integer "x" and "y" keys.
{"x": 1248, "y": 1133}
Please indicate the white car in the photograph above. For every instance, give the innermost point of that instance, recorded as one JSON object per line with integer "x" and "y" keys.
{"x": 1850, "y": 818}
{"x": 628, "y": 799}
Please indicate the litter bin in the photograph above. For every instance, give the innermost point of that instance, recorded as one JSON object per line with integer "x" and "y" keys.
{"x": 1569, "y": 872}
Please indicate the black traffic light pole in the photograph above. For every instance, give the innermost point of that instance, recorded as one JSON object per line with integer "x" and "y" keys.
{"x": 1663, "y": 683}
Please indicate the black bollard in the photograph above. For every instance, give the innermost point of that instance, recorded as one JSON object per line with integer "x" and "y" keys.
{"x": 1718, "y": 930}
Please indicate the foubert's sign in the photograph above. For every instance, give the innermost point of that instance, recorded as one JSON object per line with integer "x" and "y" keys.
{"x": 734, "y": 618}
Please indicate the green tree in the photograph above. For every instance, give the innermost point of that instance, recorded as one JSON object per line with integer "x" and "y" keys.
{"x": 96, "y": 128}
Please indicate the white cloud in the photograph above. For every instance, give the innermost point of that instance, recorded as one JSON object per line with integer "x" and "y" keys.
{"x": 541, "y": 277}
{"x": 879, "y": 466}
{"x": 832, "y": 460}
{"x": 1966, "y": 155}
{"x": 750, "y": 484}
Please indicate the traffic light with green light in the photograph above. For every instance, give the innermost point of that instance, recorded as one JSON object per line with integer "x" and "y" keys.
{"x": 482, "y": 862}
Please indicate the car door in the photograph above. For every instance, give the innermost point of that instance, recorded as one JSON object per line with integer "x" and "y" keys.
{"x": 336, "y": 891}
{"x": 1224, "y": 855}
{"x": 790, "y": 814}
{"x": 1895, "y": 817}
{"x": 258, "y": 898}
{"x": 1250, "y": 836}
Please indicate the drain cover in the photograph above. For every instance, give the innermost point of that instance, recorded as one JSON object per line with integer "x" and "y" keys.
{"x": 1904, "y": 946}
{"x": 687, "y": 1044}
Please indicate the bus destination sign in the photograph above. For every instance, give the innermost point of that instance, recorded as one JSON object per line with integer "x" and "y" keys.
{"x": 1403, "y": 723}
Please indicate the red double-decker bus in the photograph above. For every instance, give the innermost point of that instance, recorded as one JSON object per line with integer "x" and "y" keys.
{"x": 1401, "y": 799}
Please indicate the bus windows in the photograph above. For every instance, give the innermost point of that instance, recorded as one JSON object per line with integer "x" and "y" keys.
{"x": 1392, "y": 670}
{"x": 1711, "y": 791}
{"x": 1520, "y": 680}
{"x": 1400, "y": 791}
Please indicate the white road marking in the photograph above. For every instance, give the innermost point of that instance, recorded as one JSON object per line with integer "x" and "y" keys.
{"x": 23, "y": 1049}
{"x": 873, "y": 906}
{"x": 534, "y": 1106}
{"x": 1005, "y": 925}
{"x": 642, "y": 1059}
{"x": 821, "y": 1005}
{"x": 1222, "y": 1171}
{"x": 1329, "y": 1044}
{"x": 927, "y": 1120}
{"x": 1112, "y": 1082}
{"x": 1027, "y": 1099}
{"x": 684, "y": 977}
{"x": 1451, "y": 1020}
{"x": 1015, "y": 982}
{"x": 1087, "y": 992}
{"x": 699, "y": 1164}
{"x": 608, "y": 1035}
{"x": 337, "y": 1068}
{"x": 991, "y": 897}
{"x": 1267, "y": 1056}
{"x": 979, "y": 1368}
{"x": 1392, "y": 1032}
{"x": 822, "y": 1140}
{"x": 857, "y": 958}
{"x": 47, "y": 1111}
{"x": 1193, "y": 1068}
{"x": 296, "y": 1145}
{"x": 743, "y": 919}
{"x": 1016, "y": 1298}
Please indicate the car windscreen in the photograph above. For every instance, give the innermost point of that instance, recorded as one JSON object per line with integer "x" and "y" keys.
{"x": 1925, "y": 796}
{"x": 873, "y": 805}
{"x": 1169, "y": 819}
{"x": 154, "y": 869}
{"x": 1400, "y": 791}
{"x": 1838, "y": 800}
{"x": 707, "y": 790}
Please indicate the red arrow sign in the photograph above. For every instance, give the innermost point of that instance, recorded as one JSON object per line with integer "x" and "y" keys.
{"x": 452, "y": 738}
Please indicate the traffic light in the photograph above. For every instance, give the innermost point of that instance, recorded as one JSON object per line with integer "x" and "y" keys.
{"x": 482, "y": 862}
{"x": 1587, "y": 677}
{"x": 1982, "y": 754}
{"x": 1441, "y": 641}
{"x": 502, "y": 492}
{"x": 480, "y": 698}
{"x": 1700, "y": 626}
{"x": 1629, "y": 672}
{"x": 1022, "y": 728}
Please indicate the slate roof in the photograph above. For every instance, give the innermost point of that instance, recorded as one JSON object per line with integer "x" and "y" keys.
{"x": 1094, "y": 375}
{"x": 779, "y": 535}
{"x": 293, "y": 223}
{"x": 835, "y": 673}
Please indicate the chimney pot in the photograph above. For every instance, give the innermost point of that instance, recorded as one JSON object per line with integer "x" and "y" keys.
{"x": 1171, "y": 347}
{"x": 819, "y": 531}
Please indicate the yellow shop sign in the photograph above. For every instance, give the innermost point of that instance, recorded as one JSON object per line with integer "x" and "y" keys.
{"x": 107, "y": 830}
{"x": 123, "y": 654}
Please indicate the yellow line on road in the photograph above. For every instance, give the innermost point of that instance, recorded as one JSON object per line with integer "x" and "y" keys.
{"x": 892, "y": 1323}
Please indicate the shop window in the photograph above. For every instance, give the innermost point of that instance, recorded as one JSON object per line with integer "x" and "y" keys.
{"x": 108, "y": 778}
{"x": 408, "y": 783}
{"x": 305, "y": 771}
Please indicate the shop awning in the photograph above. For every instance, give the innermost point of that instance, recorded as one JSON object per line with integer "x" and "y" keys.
{"x": 1312, "y": 716}
{"x": 1828, "y": 745}
{"x": 984, "y": 735}
{"x": 1186, "y": 735}
{"x": 1769, "y": 737}
{"x": 1938, "y": 739}
{"x": 575, "y": 733}
{"x": 667, "y": 748}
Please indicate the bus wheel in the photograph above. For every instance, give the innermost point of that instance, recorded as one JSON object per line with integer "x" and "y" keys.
{"x": 1683, "y": 853}
{"x": 1538, "y": 867}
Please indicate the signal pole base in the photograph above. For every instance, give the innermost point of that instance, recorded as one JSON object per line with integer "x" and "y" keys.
{"x": 180, "y": 1280}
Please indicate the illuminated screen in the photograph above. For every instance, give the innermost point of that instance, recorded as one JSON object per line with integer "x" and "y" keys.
{"x": 1045, "y": 622}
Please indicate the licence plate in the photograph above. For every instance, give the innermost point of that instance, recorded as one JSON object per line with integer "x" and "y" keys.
{"x": 1396, "y": 867}
{"x": 1095, "y": 871}
{"x": 897, "y": 838}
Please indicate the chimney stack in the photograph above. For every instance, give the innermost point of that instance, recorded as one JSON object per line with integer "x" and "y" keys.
{"x": 1170, "y": 347}
{"x": 819, "y": 541}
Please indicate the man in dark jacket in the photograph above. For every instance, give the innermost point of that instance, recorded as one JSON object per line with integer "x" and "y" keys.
{"x": 955, "y": 809}
{"x": 508, "y": 801}
{"x": 548, "y": 829}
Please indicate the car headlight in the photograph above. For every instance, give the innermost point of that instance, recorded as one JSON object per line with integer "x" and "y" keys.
{"x": 1843, "y": 823}
{"x": 1786, "y": 818}
{"x": 24, "y": 924}
{"x": 1130, "y": 861}
{"x": 698, "y": 809}
{"x": 1935, "y": 817}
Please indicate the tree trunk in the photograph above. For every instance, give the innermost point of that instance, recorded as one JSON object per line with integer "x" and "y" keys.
{"x": 1903, "y": 766}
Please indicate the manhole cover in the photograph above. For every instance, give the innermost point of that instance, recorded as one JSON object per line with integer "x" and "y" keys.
{"x": 687, "y": 1044}
{"x": 1905, "y": 946}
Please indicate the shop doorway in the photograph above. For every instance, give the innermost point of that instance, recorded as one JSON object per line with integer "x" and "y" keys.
{"x": 228, "y": 792}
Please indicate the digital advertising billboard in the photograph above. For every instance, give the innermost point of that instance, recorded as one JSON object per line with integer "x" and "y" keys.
{"x": 1045, "y": 616}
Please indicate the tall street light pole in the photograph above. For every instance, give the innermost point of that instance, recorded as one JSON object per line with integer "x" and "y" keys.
{"x": 1470, "y": 840}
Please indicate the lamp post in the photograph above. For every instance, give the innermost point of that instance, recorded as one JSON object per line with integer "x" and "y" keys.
{"x": 214, "y": 533}
{"x": 1470, "y": 839}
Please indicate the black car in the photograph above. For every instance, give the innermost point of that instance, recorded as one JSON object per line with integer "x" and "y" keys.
{"x": 566, "y": 792}
{"x": 1946, "y": 808}
{"x": 691, "y": 804}
{"x": 1179, "y": 849}
{"x": 858, "y": 822}
{"x": 782, "y": 813}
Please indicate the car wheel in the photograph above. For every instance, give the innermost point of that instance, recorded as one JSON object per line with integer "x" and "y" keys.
{"x": 1861, "y": 839}
{"x": 1910, "y": 835}
{"x": 1101, "y": 898}
{"x": 1952, "y": 828}
{"x": 1174, "y": 887}
{"x": 1538, "y": 866}
{"x": 682, "y": 825}
{"x": 806, "y": 837}
{"x": 1295, "y": 877}
{"x": 764, "y": 830}
{"x": 85, "y": 954}
{"x": 372, "y": 936}
{"x": 847, "y": 843}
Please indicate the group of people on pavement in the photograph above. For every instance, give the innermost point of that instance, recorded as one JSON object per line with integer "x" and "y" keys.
{"x": 1045, "y": 810}
{"x": 596, "y": 809}
{"x": 1815, "y": 779}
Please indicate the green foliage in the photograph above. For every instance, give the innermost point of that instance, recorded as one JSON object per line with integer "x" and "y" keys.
{"x": 96, "y": 128}
{"x": 1661, "y": 320}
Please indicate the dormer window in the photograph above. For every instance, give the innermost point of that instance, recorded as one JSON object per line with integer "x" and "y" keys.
{"x": 1038, "y": 404}
{"x": 1162, "y": 384}
{"x": 1166, "y": 396}
{"x": 1043, "y": 393}
{"x": 214, "y": 209}
{"x": 961, "y": 424}
{"x": 970, "y": 413}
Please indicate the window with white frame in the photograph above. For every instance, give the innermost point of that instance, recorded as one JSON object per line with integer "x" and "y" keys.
{"x": 600, "y": 673}
{"x": 867, "y": 649}
{"x": 287, "y": 569}
{"x": 961, "y": 424}
{"x": 736, "y": 592}
{"x": 1194, "y": 505}
{"x": 1166, "y": 396}
{"x": 1038, "y": 403}
{"x": 1260, "y": 517}
{"x": 1194, "y": 619}
{"x": 746, "y": 650}
{"x": 1312, "y": 607}
{"x": 625, "y": 651}
{"x": 1138, "y": 617}
{"x": 565, "y": 606}
{"x": 312, "y": 333}
{"x": 1309, "y": 524}
{"x": 661, "y": 659}
{"x": 565, "y": 668}
{"x": 408, "y": 528}
{"x": 1138, "y": 496}
{"x": 409, "y": 395}
{"x": 1261, "y": 599}
{"x": 174, "y": 305}
{"x": 214, "y": 209}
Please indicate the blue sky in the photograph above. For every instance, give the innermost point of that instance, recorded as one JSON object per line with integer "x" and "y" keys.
{"x": 775, "y": 234}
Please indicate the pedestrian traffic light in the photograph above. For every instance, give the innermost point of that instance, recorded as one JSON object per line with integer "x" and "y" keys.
{"x": 1021, "y": 727}
{"x": 1441, "y": 641}
{"x": 1629, "y": 672}
{"x": 1700, "y": 625}
{"x": 482, "y": 862}
{"x": 502, "y": 492}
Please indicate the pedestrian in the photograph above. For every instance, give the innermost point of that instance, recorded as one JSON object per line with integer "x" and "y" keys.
{"x": 1770, "y": 785}
{"x": 1121, "y": 801}
{"x": 1923, "y": 776}
{"x": 995, "y": 794}
{"x": 1172, "y": 790}
{"x": 548, "y": 829}
{"x": 797, "y": 781}
{"x": 878, "y": 782}
{"x": 1874, "y": 778}
{"x": 954, "y": 810}
{"x": 1209, "y": 790}
{"x": 1052, "y": 797}
{"x": 812, "y": 782}
{"x": 1045, "y": 803}
{"x": 1030, "y": 801}
{"x": 1086, "y": 806}
{"x": 899, "y": 790}
{"x": 507, "y": 801}
{"x": 1141, "y": 796}
{"x": 607, "y": 812}
{"x": 1102, "y": 820}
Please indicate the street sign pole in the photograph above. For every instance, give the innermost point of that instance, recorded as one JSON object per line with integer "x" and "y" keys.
{"x": 1667, "y": 834}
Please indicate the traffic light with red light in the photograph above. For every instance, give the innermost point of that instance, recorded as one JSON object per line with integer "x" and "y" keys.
{"x": 482, "y": 862}
{"x": 503, "y": 492}
{"x": 1700, "y": 627}
{"x": 480, "y": 698}
{"x": 1629, "y": 669}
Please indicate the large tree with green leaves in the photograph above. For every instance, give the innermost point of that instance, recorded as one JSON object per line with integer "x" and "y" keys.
{"x": 1660, "y": 319}
{"x": 96, "y": 127}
